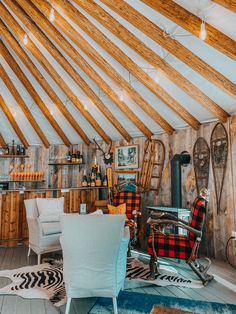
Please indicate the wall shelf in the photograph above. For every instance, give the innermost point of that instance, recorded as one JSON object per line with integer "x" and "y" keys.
{"x": 40, "y": 181}
{"x": 65, "y": 164}
{"x": 14, "y": 156}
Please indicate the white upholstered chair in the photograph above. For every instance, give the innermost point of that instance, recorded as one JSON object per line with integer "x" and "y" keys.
{"x": 94, "y": 255}
{"x": 44, "y": 225}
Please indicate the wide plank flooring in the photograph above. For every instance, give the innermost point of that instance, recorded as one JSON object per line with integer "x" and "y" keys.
{"x": 11, "y": 258}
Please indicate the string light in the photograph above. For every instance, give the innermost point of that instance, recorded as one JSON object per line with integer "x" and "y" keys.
{"x": 203, "y": 34}
{"x": 85, "y": 107}
{"x": 25, "y": 39}
{"x": 52, "y": 15}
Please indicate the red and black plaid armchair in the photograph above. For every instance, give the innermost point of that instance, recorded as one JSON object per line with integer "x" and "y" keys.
{"x": 179, "y": 246}
{"x": 133, "y": 211}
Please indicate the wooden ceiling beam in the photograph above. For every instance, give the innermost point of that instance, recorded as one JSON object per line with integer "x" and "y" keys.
{"x": 3, "y": 144}
{"x": 42, "y": 81}
{"x": 14, "y": 6}
{"x": 228, "y": 4}
{"x": 171, "y": 45}
{"x": 127, "y": 62}
{"x": 42, "y": 21}
{"x": 13, "y": 122}
{"x": 11, "y": 87}
{"x": 160, "y": 64}
{"x": 61, "y": 23}
{"x": 30, "y": 89}
{"x": 192, "y": 24}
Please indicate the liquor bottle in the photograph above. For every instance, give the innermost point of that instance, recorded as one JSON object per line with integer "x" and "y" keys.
{"x": 69, "y": 156}
{"x": 81, "y": 159}
{"x": 13, "y": 149}
{"x": 73, "y": 159}
{"x": 93, "y": 183}
{"x": 85, "y": 180}
{"x": 7, "y": 150}
{"x": 78, "y": 156}
{"x": 18, "y": 149}
{"x": 98, "y": 177}
{"x": 22, "y": 150}
{"x": 89, "y": 180}
{"x": 104, "y": 182}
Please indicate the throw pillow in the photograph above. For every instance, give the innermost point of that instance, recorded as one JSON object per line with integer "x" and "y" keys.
{"x": 50, "y": 209}
{"x": 117, "y": 210}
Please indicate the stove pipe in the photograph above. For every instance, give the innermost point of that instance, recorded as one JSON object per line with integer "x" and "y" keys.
{"x": 176, "y": 183}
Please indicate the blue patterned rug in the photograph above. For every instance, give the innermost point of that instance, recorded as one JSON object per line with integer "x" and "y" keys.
{"x": 139, "y": 303}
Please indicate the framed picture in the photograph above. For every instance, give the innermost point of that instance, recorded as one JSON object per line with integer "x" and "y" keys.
{"x": 128, "y": 180}
{"x": 126, "y": 157}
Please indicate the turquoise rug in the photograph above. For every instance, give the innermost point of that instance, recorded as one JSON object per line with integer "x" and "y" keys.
{"x": 139, "y": 303}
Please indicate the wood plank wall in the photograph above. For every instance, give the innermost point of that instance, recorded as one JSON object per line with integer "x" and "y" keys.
{"x": 218, "y": 227}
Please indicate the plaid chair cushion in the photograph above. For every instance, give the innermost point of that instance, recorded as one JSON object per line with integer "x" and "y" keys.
{"x": 197, "y": 216}
{"x": 132, "y": 200}
{"x": 171, "y": 245}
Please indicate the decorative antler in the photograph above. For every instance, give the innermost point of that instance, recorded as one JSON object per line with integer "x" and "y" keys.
{"x": 107, "y": 157}
{"x": 99, "y": 147}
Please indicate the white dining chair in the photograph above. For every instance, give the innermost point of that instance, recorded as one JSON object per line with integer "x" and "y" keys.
{"x": 94, "y": 256}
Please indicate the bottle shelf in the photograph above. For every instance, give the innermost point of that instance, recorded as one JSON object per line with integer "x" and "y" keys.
{"x": 14, "y": 156}
{"x": 9, "y": 181}
{"x": 65, "y": 163}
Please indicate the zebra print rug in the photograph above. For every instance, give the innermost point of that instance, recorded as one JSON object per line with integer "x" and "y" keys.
{"x": 45, "y": 281}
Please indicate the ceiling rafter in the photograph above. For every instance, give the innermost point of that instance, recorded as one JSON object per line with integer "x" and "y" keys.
{"x": 104, "y": 65}
{"x": 228, "y": 4}
{"x": 123, "y": 59}
{"x": 11, "y": 87}
{"x": 2, "y": 142}
{"x": 131, "y": 40}
{"x": 173, "y": 46}
{"x": 192, "y": 23}
{"x": 30, "y": 89}
{"x": 13, "y": 5}
{"x": 41, "y": 20}
{"x": 13, "y": 122}
{"x": 42, "y": 81}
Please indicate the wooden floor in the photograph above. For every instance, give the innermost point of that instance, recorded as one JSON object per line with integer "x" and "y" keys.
{"x": 17, "y": 257}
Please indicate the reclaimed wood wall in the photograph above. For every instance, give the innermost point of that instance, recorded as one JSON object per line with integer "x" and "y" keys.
{"x": 218, "y": 226}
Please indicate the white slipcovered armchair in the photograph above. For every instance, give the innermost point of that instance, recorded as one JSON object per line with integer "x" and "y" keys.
{"x": 94, "y": 255}
{"x": 43, "y": 218}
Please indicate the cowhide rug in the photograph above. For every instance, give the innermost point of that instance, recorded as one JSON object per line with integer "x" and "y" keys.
{"x": 45, "y": 281}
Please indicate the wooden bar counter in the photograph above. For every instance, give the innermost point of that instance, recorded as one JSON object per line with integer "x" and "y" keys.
{"x": 13, "y": 224}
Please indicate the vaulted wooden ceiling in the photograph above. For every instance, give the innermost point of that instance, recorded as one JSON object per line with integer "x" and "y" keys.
{"x": 77, "y": 69}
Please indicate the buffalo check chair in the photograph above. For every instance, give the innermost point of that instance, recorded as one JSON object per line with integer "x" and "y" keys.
{"x": 179, "y": 246}
{"x": 133, "y": 211}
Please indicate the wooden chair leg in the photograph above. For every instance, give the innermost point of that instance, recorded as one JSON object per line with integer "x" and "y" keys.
{"x": 114, "y": 306}
{"x": 68, "y": 306}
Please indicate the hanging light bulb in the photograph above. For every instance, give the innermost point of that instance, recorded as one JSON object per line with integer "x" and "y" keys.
{"x": 121, "y": 96}
{"x": 25, "y": 39}
{"x": 203, "y": 34}
{"x": 157, "y": 77}
{"x": 52, "y": 15}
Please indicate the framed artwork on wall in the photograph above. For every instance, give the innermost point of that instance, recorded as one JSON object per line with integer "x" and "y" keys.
{"x": 126, "y": 157}
{"x": 128, "y": 180}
